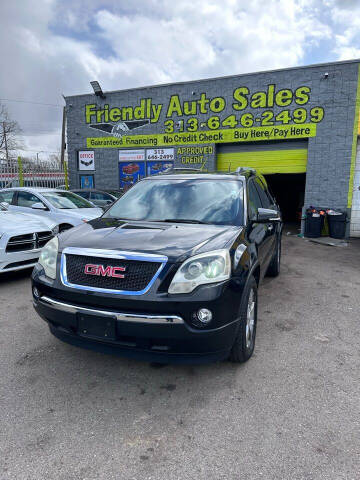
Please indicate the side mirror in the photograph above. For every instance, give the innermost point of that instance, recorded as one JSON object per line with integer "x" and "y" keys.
{"x": 38, "y": 206}
{"x": 265, "y": 215}
{"x": 5, "y": 205}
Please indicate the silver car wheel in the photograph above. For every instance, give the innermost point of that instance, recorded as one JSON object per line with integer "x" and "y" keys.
{"x": 250, "y": 320}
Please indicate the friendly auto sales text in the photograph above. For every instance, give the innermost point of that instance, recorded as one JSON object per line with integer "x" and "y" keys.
{"x": 242, "y": 98}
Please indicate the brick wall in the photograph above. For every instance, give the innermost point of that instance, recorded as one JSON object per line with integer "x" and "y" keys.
{"x": 329, "y": 153}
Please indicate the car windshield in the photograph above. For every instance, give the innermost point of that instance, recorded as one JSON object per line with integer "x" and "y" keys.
{"x": 66, "y": 200}
{"x": 213, "y": 201}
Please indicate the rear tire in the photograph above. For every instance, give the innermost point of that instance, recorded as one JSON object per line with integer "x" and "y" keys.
{"x": 274, "y": 267}
{"x": 244, "y": 344}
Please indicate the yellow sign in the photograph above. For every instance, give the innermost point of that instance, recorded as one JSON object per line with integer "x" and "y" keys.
{"x": 280, "y": 132}
{"x": 242, "y": 98}
{"x": 194, "y": 155}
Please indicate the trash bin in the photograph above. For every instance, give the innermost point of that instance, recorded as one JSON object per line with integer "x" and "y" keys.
{"x": 313, "y": 222}
{"x": 337, "y": 224}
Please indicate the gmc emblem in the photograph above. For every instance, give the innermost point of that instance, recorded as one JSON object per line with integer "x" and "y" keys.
{"x": 102, "y": 271}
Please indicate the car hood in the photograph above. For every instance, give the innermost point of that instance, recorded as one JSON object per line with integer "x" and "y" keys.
{"x": 176, "y": 241}
{"x": 23, "y": 222}
{"x": 88, "y": 213}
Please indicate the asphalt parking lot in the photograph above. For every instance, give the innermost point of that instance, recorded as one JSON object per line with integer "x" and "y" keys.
{"x": 292, "y": 412}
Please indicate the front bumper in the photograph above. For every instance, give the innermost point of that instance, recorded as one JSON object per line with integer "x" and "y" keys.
{"x": 10, "y": 262}
{"x": 150, "y": 337}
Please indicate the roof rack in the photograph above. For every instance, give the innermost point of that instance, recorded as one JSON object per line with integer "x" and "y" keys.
{"x": 241, "y": 170}
{"x": 180, "y": 169}
{"x": 186, "y": 168}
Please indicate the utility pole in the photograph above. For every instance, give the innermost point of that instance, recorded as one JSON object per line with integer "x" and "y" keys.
{"x": 63, "y": 137}
{"x": 6, "y": 145}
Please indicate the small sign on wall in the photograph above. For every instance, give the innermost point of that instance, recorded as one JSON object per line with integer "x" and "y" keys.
{"x": 87, "y": 181}
{"x": 131, "y": 167}
{"x": 154, "y": 167}
{"x": 160, "y": 154}
{"x": 86, "y": 160}
{"x": 131, "y": 155}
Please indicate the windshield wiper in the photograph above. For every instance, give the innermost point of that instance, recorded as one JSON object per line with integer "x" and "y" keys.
{"x": 183, "y": 220}
{"x": 169, "y": 220}
{"x": 124, "y": 219}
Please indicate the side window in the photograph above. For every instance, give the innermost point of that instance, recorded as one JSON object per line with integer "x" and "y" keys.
{"x": 99, "y": 196}
{"x": 7, "y": 196}
{"x": 265, "y": 199}
{"x": 254, "y": 199}
{"x": 27, "y": 199}
{"x": 268, "y": 192}
{"x": 85, "y": 195}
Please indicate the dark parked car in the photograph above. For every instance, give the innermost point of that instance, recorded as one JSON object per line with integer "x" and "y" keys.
{"x": 97, "y": 197}
{"x": 115, "y": 193}
{"x": 169, "y": 273}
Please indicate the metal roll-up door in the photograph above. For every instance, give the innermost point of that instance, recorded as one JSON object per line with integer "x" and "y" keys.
{"x": 266, "y": 158}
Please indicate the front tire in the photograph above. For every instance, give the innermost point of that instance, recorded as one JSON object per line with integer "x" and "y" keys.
{"x": 244, "y": 344}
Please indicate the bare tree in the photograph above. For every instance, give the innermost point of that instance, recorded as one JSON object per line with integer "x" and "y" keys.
{"x": 9, "y": 135}
{"x": 28, "y": 163}
{"x": 55, "y": 158}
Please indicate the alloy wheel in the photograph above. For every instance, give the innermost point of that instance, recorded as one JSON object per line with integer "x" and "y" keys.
{"x": 250, "y": 320}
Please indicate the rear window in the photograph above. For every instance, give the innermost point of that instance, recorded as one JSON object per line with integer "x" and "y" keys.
{"x": 100, "y": 196}
{"x": 6, "y": 196}
{"x": 83, "y": 194}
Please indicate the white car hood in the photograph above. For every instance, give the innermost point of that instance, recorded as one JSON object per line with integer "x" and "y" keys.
{"x": 88, "y": 213}
{"x": 11, "y": 221}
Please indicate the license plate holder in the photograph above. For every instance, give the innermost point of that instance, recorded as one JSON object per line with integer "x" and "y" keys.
{"x": 96, "y": 326}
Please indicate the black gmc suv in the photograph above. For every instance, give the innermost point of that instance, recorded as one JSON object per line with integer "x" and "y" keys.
{"x": 169, "y": 273}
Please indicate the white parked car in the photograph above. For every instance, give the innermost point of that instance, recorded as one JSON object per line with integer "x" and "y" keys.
{"x": 64, "y": 208}
{"x": 22, "y": 236}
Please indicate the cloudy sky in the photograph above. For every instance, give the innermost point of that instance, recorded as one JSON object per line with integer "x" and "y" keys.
{"x": 49, "y": 47}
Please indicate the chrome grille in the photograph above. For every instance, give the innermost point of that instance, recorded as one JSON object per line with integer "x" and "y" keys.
{"x": 140, "y": 270}
{"x": 28, "y": 241}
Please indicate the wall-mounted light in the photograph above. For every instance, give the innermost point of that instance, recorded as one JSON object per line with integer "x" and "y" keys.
{"x": 97, "y": 89}
{"x": 326, "y": 75}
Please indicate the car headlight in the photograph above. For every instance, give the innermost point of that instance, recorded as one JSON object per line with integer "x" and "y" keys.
{"x": 48, "y": 257}
{"x": 55, "y": 230}
{"x": 201, "y": 269}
